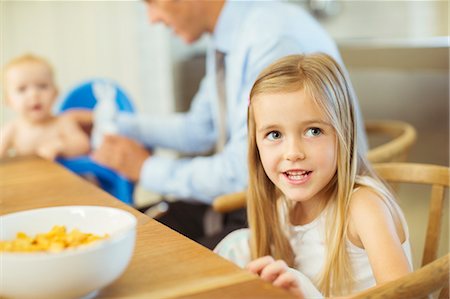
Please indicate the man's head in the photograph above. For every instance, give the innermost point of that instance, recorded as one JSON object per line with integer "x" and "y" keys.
{"x": 189, "y": 19}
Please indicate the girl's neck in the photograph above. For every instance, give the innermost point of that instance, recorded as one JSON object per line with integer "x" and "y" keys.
{"x": 307, "y": 211}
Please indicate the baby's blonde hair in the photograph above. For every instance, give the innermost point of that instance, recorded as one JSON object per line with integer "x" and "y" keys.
{"x": 23, "y": 59}
{"x": 321, "y": 77}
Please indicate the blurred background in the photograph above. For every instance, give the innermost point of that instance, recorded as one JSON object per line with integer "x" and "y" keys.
{"x": 397, "y": 53}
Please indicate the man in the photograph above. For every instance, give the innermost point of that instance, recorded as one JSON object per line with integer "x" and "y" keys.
{"x": 246, "y": 36}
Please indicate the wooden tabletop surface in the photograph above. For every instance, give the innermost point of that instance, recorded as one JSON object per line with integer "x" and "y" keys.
{"x": 165, "y": 264}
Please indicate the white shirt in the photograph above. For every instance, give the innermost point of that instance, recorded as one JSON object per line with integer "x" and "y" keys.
{"x": 308, "y": 244}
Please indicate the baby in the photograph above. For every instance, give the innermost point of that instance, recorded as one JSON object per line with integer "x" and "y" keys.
{"x": 30, "y": 90}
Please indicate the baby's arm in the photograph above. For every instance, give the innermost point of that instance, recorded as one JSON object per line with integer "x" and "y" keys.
{"x": 74, "y": 141}
{"x": 372, "y": 226}
{"x": 6, "y": 138}
{"x": 50, "y": 149}
{"x": 83, "y": 117}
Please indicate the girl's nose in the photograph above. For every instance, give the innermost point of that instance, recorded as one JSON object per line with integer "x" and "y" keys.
{"x": 295, "y": 151}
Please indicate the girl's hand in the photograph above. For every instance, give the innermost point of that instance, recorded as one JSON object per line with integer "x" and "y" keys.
{"x": 276, "y": 272}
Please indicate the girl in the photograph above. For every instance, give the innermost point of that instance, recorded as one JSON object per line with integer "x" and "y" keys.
{"x": 314, "y": 203}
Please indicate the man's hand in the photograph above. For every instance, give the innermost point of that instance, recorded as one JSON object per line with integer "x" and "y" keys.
{"x": 122, "y": 154}
{"x": 277, "y": 273}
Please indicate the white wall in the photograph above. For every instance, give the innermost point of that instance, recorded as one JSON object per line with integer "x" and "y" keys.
{"x": 85, "y": 39}
{"x": 388, "y": 19}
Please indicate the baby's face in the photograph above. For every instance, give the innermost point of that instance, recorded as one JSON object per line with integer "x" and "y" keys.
{"x": 30, "y": 90}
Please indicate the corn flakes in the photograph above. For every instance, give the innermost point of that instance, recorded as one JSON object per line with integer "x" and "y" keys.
{"x": 56, "y": 240}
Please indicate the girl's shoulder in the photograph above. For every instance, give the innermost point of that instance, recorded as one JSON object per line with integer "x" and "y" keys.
{"x": 367, "y": 202}
{"x": 363, "y": 197}
{"x": 366, "y": 208}
{"x": 371, "y": 212}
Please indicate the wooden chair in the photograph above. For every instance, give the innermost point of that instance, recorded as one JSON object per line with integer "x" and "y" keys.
{"x": 418, "y": 284}
{"x": 400, "y": 137}
{"x": 433, "y": 274}
{"x": 438, "y": 177}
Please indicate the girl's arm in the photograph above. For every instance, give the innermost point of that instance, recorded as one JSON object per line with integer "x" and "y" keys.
{"x": 6, "y": 138}
{"x": 375, "y": 228}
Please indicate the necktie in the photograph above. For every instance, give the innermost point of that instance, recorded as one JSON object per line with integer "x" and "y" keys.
{"x": 221, "y": 95}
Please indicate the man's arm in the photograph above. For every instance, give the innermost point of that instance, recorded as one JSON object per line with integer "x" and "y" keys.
{"x": 190, "y": 132}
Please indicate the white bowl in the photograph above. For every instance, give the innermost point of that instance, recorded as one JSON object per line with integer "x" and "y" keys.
{"x": 72, "y": 273}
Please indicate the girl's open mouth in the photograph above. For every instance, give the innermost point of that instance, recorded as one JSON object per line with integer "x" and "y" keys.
{"x": 297, "y": 176}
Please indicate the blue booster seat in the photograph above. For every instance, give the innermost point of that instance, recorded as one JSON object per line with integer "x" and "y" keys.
{"x": 82, "y": 96}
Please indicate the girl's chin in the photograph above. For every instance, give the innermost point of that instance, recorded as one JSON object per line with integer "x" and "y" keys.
{"x": 296, "y": 197}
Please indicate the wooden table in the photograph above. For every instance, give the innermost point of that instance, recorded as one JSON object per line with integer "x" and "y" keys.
{"x": 165, "y": 264}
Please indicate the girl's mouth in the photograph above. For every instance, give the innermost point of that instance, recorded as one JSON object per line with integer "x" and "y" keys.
{"x": 297, "y": 176}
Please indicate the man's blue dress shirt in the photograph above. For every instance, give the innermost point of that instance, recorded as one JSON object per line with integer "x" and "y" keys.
{"x": 252, "y": 34}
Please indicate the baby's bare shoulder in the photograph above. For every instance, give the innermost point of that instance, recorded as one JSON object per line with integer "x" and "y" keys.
{"x": 67, "y": 125}
{"x": 10, "y": 127}
{"x": 65, "y": 122}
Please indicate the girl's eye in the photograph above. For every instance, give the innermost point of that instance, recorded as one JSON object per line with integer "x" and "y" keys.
{"x": 313, "y": 132}
{"x": 274, "y": 135}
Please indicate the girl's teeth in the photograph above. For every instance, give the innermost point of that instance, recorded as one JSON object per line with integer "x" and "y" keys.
{"x": 296, "y": 175}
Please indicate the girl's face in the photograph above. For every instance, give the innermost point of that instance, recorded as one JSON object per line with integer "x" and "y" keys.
{"x": 297, "y": 144}
{"x": 30, "y": 90}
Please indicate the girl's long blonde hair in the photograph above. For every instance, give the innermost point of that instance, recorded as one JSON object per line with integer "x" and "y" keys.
{"x": 326, "y": 82}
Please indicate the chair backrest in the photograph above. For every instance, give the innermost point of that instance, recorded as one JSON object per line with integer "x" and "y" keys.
{"x": 401, "y": 136}
{"x": 438, "y": 177}
{"x": 82, "y": 96}
{"x": 418, "y": 284}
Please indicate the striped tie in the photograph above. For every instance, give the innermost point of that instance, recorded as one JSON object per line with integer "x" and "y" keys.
{"x": 221, "y": 95}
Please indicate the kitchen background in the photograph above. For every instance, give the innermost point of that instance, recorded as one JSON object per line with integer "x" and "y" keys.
{"x": 397, "y": 53}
